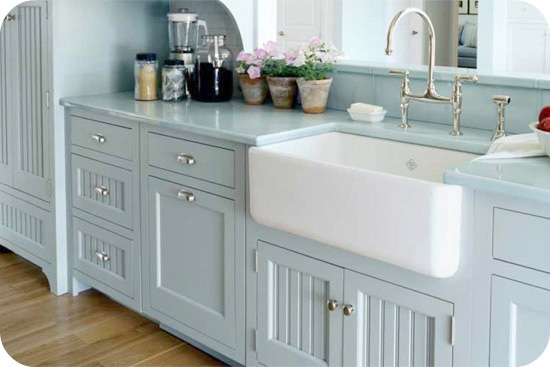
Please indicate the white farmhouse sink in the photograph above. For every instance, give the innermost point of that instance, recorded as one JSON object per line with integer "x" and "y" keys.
{"x": 377, "y": 198}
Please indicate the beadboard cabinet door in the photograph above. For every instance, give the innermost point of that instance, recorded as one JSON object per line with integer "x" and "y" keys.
{"x": 31, "y": 120}
{"x": 6, "y": 86}
{"x": 192, "y": 259}
{"x": 394, "y": 326}
{"x": 520, "y": 323}
{"x": 295, "y": 327}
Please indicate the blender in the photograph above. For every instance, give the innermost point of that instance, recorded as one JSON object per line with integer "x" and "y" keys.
{"x": 183, "y": 31}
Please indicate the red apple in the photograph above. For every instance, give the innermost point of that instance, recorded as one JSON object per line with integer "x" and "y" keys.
{"x": 544, "y": 125}
{"x": 544, "y": 113}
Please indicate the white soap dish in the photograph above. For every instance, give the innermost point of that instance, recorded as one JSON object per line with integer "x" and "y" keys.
{"x": 373, "y": 117}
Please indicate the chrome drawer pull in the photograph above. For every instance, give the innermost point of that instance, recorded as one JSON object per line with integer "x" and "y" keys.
{"x": 103, "y": 256}
{"x": 101, "y": 190}
{"x": 186, "y": 196}
{"x": 98, "y": 138}
{"x": 186, "y": 159}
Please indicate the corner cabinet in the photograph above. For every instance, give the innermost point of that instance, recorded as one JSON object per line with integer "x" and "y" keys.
{"x": 311, "y": 313}
{"x": 26, "y": 135}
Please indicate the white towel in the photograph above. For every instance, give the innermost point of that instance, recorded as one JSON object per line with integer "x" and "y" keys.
{"x": 515, "y": 146}
{"x": 365, "y": 108}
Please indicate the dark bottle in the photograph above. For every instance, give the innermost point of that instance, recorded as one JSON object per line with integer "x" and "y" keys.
{"x": 212, "y": 77}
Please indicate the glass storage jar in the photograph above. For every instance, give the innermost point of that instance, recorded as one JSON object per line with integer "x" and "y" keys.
{"x": 212, "y": 77}
{"x": 146, "y": 76}
{"x": 173, "y": 81}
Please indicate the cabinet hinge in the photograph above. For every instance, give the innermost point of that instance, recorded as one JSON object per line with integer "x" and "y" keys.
{"x": 453, "y": 326}
{"x": 47, "y": 9}
{"x": 256, "y": 261}
{"x": 255, "y": 341}
{"x": 48, "y": 99}
{"x": 49, "y": 188}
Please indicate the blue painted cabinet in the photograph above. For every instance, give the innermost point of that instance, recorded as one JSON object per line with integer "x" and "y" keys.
{"x": 394, "y": 326}
{"x": 295, "y": 327}
{"x": 520, "y": 323}
{"x": 192, "y": 258}
{"x": 312, "y": 313}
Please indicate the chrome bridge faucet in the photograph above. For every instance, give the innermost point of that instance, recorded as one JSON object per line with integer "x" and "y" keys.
{"x": 430, "y": 94}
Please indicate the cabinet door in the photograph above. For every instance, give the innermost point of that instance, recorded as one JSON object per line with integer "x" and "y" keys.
{"x": 192, "y": 258}
{"x": 295, "y": 327}
{"x": 5, "y": 102}
{"x": 520, "y": 323}
{"x": 32, "y": 125}
{"x": 394, "y": 326}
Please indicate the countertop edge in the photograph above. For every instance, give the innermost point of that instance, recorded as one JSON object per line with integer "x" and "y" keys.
{"x": 492, "y": 185}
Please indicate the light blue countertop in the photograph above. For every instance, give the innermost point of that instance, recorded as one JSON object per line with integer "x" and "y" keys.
{"x": 527, "y": 178}
{"x": 263, "y": 125}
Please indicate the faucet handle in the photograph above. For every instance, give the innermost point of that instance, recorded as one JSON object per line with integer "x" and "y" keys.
{"x": 403, "y": 73}
{"x": 501, "y": 102}
{"x": 466, "y": 78}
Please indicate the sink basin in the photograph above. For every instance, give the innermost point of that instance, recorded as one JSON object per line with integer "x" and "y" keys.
{"x": 377, "y": 198}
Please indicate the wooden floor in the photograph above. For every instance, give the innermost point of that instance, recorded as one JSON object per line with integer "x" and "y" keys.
{"x": 39, "y": 329}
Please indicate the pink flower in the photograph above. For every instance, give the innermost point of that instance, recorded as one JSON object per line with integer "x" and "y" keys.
{"x": 262, "y": 54}
{"x": 254, "y": 72}
{"x": 300, "y": 60}
{"x": 251, "y": 59}
{"x": 315, "y": 42}
{"x": 272, "y": 48}
{"x": 291, "y": 55}
{"x": 243, "y": 56}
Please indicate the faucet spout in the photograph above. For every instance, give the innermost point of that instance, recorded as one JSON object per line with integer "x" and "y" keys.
{"x": 431, "y": 51}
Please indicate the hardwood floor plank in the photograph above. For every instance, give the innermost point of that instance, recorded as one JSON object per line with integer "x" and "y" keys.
{"x": 39, "y": 329}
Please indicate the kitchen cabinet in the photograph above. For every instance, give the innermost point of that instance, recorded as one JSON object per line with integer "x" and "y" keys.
{"x": 520, "y": 323}
{"x": 27, "y": 216}
{"x": 192, "y": 258}
{"x": 394, "y": 326}
{"x": 306, "y": 305}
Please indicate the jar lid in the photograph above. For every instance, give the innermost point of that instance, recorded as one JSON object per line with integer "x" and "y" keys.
{"x": 146, "y": 57}
{"x": 171, "y": 62}
{"x": 183, "y": 16}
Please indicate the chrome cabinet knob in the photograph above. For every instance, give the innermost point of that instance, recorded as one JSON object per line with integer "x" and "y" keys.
{"x": 348, "y": 310}
{"x": 186, "y": 196}
{"x": 99, "y": 138}
{"x": 101, "y": 190}
{"x": 186, "y": 159}
{"x": 282, "y": 33}
{"x": 10, "y": 17}
{"x": 332, "y": 305}
{"x": 102, "y": 256}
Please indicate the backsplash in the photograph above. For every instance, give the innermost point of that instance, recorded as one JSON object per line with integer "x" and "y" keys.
{"x": 374, "y": 85}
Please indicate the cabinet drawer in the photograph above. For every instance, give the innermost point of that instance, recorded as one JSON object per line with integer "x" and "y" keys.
{"x": 103, "y": 190}
{"x": 197, "y": 160}
{"x": 102, "y": 137}
{"x": 104, "y": 256}
{"x": 521, "y": 239}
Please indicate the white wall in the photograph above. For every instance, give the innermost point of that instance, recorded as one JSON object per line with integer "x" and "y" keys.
{"x": 94, "y": 45}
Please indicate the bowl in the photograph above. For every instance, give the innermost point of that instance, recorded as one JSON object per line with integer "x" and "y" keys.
{"x": 543, "y": 136}
{"x": 374, "y": 117}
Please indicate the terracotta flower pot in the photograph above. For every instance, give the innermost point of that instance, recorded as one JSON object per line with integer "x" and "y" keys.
{"x": 314, "y": 94}
{"x": 254, "y": 90}
{"x": 283, "y": 91}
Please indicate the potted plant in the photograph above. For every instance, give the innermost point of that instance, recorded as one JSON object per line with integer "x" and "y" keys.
{"x": 252, "y": 79}
{"x": 281, "y": 78}
{"x": 314, "y": 61}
